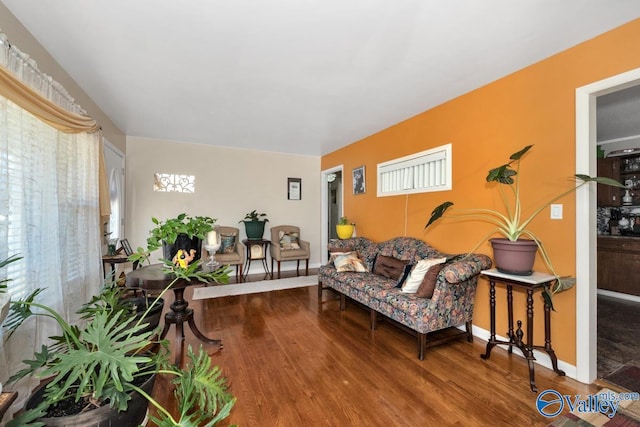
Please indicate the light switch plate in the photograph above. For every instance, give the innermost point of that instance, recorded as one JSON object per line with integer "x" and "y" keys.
{"x": 556, "y": 211}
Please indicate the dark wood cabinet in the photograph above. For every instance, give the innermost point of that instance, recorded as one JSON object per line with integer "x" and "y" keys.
{"x": 607, "y": 195}
{"x": 619, "y": 264}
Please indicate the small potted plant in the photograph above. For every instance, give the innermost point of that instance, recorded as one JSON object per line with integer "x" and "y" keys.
{"x": 513, "y": 224}
{"x": 254, "y": 223}
{"x": 180, "y": 233}
{"x": 344, "y": 229}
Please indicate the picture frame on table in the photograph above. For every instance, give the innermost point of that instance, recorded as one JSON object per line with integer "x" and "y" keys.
{"x": 359, "y": 181}
{"x": 294, "y": 188}
{"x": 126, "y": 247}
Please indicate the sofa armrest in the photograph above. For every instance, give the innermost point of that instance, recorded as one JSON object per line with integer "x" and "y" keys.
{"x": 468, "y": 267}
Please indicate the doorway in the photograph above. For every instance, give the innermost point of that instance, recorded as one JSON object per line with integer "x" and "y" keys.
{"x": 332, "y": 205}
{"x": 114, "y": 163}
{"x": 586, "y": 291}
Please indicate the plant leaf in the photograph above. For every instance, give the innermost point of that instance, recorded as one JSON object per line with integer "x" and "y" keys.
{"x": 600, "y": 180}
{"x": 519, "y": 154}
{"x": 502, "y": 174}
{"x": 438, "y": 212}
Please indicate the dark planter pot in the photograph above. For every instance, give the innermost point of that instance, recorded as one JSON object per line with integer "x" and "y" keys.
{"x": 514, "y": 257}
{"x": 153, "y": 317}
{"x": 185, "y": 243}
{"x": 103, "y": 416}
{"x": 254, "y": 229}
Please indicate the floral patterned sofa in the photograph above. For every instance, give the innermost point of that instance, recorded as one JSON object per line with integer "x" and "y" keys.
{"x": 451, "y": 303}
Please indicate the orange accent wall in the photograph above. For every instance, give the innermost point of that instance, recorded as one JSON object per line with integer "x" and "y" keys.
{"x": 535, "y": 105}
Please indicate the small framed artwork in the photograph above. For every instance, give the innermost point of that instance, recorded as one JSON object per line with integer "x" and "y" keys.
{"x": 126, "y": 247}
{"x": 359, "y": 183}
{"x": 294, "y": 188}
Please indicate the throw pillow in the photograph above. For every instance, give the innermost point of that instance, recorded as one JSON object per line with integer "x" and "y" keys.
{"x": 389, "y": 267}
{"x": 227, "y": 243}
{"x": 334, "y": 254}
{"x": 417, "y": 274}
{"x": 349, "y": 262}
{"x": 405, "y": 275}
{"x": 289, "y": 240}
{"x": 428, "y": 284}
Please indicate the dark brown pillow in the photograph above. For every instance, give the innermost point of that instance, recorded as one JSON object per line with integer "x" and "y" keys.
{"x": 389, "y": 267}
{"x": 428, "y": 284}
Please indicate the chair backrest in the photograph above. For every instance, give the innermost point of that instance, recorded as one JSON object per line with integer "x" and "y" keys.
{"x": 222, "y": 229}
{"x": 275, "y": 232}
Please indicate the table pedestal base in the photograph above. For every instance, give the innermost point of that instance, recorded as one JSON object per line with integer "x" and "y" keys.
{"x": 179, "y": 314}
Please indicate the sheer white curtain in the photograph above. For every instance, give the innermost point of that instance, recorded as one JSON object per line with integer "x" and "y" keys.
{"x": 49, "y": 214}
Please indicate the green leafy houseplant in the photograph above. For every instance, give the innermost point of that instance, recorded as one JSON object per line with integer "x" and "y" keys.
{"x": 101, "y": 362}
{"x": 255, "y": 216}
{"x": 254, "y": 223}
{"x": 167, "y": 231}
{"x": 513, "y": 223}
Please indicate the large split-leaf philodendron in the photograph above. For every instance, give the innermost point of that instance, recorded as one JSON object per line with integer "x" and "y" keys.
{"x": 513, "y": 223}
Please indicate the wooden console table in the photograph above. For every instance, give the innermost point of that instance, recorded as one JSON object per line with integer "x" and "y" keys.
{"x": 152, "y": 278}
{"x": 530, "y": 284}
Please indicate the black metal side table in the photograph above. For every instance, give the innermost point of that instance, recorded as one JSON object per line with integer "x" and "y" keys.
{"x": 257, "y": 251}
{"x": 530, "y": 284}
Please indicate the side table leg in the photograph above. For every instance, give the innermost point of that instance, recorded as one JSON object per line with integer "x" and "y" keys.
{"x": 510, "y": 316}
{"x": 492, "y": 309}
{"x": 529, "y": 344}
{"x": 547, "y": 341}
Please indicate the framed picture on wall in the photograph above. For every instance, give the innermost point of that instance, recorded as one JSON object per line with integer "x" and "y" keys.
{"x": 294, "y": 188}
{"x": 359, "y": 183}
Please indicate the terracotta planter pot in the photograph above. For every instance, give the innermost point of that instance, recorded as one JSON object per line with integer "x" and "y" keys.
{"x": 514, "y": 257}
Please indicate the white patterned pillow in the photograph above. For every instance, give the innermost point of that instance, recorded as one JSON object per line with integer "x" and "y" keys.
{"x": 418, "y": 272}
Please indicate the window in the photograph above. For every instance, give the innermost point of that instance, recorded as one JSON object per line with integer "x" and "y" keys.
{"x": 429, "y": 170}
{"x": 166, "y": 182}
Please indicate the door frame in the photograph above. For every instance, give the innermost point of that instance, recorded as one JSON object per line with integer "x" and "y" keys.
{"x": 586, "y": 243}
{"x": 324, "y": 215}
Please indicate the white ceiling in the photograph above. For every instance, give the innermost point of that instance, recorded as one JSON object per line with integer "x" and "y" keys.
{"x": 297, "y": 76}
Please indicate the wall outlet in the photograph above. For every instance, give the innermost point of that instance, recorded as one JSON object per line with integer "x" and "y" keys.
{"x": 556, "y": 211}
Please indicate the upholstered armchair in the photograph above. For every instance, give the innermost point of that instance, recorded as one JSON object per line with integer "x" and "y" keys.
{"x": 231, "y": 250}
{"x": 286, "y": 245}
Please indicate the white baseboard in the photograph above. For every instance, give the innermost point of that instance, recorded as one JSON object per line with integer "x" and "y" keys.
{"x": 618, "y": 295}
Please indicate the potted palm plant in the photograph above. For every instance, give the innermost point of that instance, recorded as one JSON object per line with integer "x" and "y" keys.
{"x": 5, "y": 297}
{"x": 512, "y": 224}
{"x": 254, "y": 223}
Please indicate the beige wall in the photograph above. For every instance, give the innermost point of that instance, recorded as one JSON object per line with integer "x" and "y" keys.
{"x": 229, "y": 183}
{"x": 21, "y": 38}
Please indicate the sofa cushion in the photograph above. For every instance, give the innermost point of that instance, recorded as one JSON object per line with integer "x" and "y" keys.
{"x": 389, "y": 267}
{"x": 349, "y": 262}
{"x": 417, "y": 274}
{"x": 429, "y": 282}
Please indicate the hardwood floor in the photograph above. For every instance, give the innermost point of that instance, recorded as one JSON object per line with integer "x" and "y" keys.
{"x": 293, "y": 361}
{"x": 618, "y": 332}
